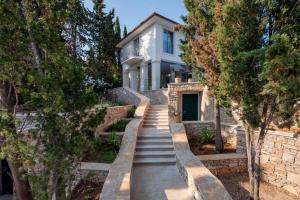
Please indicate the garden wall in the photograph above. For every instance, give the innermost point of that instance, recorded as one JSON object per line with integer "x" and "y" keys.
{"x": 113, "y": 115}
{"x": 280, "y": 160}
{"x": 117, "y": 185}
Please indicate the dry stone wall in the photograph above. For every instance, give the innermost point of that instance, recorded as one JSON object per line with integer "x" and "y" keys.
{"x": 225, "y": 164}
{"x": 113, "y": 114}
{"x": 280, "y": 160}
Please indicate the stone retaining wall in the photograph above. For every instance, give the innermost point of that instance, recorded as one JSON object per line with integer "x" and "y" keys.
{"x": 118, "y": 182}
{"x": 225, "y": 164}
{"x": 280, "y": 160}
{"x": 195, "y": 127}
{"x": 113, "y": 115}
{"x": 203, "y": 184}
{"x": 157, "y": 96}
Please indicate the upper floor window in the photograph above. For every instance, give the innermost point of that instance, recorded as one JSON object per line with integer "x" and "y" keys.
{"x": 168, "y": 42}
{"x": 136, "y": 47}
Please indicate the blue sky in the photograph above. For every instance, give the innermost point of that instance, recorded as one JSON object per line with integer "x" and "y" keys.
{"x": 132, "y": 12}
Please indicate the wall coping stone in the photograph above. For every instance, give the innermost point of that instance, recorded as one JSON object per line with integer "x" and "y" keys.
{"x": 284, "y": 134}
{"x": 91, "y": 166}
{"x": 224, "y": 156}
{"x": 203, "y": 184}
{"x": 118, "y": 182}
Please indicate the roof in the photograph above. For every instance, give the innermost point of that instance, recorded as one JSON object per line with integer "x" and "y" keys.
{"x": 120, "y": 44}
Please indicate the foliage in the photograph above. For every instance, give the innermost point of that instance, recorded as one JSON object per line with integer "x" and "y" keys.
{"x": 258, "y": 45}
{"x": 102, "y": 59}
{"x": 42, "y": 67}
{"x": 118, "y": 126}
{"x": 200, "y": 51}
{"x": 131, "y": 112}
{"x": 103, "y": 149}
{"x": 207, "y": 136}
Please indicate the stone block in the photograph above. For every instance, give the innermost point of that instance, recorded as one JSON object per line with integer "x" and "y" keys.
{"x": 264, "y": 159}
{"x": 268, "y": 167}
{"x": 293, "y": 178}
{"x": 292, "y": 189}
{"x": 287, "y": 157}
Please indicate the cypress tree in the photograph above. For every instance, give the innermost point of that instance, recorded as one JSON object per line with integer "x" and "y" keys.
{"x": 125, "y": 32}
{"x": 258, "y": 45}
{"x": 102, "y": 59}
{"x": 200, "y": 50}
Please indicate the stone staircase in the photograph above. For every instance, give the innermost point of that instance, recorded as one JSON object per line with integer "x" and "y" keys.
{"x": 154, "y": 144}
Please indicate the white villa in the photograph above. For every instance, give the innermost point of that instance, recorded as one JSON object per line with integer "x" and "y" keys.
{"x": 150, "y": 54}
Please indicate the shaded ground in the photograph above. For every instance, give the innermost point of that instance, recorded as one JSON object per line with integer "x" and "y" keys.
{"x": 199, "y": 148}
{"x": 87, "y": 190}
{"x": 238, "y": 186}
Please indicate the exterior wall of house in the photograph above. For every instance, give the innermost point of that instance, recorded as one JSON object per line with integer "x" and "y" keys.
{"x": 150, "y": 51}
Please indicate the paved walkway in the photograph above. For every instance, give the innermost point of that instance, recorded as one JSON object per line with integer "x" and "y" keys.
{"x": 155, "y": 174}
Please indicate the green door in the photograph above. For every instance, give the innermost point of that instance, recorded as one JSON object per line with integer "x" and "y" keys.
{"x": 190, "y": 107}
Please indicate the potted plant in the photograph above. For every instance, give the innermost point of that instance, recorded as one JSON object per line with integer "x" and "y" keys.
{"x": 177, "y": 78}
{"x": 177, "y": 115}
{"x": 190, "y": 78}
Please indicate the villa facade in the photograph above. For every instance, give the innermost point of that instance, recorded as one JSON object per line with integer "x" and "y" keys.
{"x": 150, "y": 55}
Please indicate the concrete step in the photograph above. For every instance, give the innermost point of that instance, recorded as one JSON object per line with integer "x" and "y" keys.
{"x": 157, "y": 115}
{"x": 155, "y": 126}
{"x": 154, "y": 136}
{"x": 156, "y": 120}
{"x": 159, "y": 106}
{"x": 159, "y": 123}
{"x": 154, "y": 148}
{"x": 155, "y": 142}
{"x": 154, "y": 161}
{"x": 155, "y": 154}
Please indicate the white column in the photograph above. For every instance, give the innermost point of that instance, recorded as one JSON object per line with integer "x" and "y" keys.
{"x": 133, "y": 79}
{"x": 125, "y": 75}
{"x": 144, "y": 76}
{"x": 155, "y": 75}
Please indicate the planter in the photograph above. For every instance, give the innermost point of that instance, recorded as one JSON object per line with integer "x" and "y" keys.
{"x": 190, "y": 80}
{"x": 177, "y": 80}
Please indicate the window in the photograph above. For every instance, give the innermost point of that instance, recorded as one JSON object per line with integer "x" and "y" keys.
{"x": 168, "y": 42}
{"x": 136, "y": 46}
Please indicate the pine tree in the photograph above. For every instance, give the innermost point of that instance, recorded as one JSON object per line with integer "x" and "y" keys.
{"x": 258, "y": 45}
{"x": 200, "y": 49}
{"x": 125, "y": 32}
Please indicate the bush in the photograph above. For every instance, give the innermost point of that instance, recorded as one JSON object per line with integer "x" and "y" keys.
{"x": 131, "y": 112}
{"x": 119, "y": 126}
{"x": 104, "y": 149}
{"x": 207, "y": 136}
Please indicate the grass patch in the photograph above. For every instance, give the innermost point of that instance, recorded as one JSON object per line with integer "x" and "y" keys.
{"x": 118, "y": 126}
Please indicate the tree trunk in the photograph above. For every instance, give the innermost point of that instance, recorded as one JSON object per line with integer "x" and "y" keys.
{"x": 248, "y": 135}
{"x": 218, "y": 134}
{"x": 21, "y": 185}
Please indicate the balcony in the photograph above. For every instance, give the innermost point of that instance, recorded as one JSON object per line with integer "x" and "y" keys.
{"x": 131, "y": 56}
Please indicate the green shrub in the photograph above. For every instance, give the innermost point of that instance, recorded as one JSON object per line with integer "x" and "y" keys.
{"x": 119, "y": 126}
{"x": 114, "y": 142}
{"x": 207, "y": 136}
{"x": 131, "y": 112}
